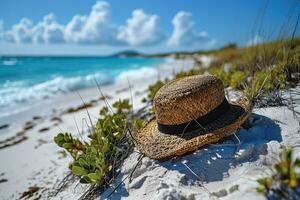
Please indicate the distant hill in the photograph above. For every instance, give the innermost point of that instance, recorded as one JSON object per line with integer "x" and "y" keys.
{"x": 128, "y": 53}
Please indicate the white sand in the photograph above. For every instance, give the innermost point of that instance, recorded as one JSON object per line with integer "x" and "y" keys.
{"x": 36, "y": 161}
{"x": 229, "y": 170}
{"x": 225, "y": 170}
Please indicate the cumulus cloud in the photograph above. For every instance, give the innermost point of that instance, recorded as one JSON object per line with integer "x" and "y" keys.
{"x": 184, "y": 33}
{"x": 21, "y": 32}
{"x": 73, "y": 30}
{"x": 141, "y": 29}
{"x": 94, "y": 28}
{"x": 46, "y": 31}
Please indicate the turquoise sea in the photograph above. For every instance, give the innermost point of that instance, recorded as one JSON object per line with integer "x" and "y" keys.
{"x": 23, "y": 79}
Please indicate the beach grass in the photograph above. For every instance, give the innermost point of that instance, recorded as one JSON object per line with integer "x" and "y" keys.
{"x": 257, "y": 70}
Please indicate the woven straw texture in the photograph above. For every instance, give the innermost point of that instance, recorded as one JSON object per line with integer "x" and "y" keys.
{"x": 181, "y": 101}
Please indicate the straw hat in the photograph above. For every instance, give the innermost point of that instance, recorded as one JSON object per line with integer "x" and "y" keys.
{"x": 189, "y": 113}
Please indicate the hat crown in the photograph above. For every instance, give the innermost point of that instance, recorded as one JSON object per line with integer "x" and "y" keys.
{"x": 185, "y": 99}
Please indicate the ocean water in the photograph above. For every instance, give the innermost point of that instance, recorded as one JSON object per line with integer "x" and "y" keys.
{"x": 27, "y": 79}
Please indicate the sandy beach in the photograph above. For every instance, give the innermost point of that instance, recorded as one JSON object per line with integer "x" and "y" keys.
{"x": 28, "y": 155}
{"x": 227, "y": 170}
{"x": 149, "y": 100}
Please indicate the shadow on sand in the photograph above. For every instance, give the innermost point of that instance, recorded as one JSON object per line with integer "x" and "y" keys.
{"x": 213, "y": 162}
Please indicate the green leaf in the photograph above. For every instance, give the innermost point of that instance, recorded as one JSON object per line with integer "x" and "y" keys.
{"x": 261, "y": 190}
{"x": 67, "y": 145}
{"x": 59, "y": 139}
{"x": 287, "y": 155}
{"x": 117, "y": 135}
{"x": 99, "y": 172}
{"x": 86, "y": 180}
{"x": 262, "y": 181}
{"x": 104, "y": 111}
{"x": 94, "y": 177}
{"x": 67, "y": 137}
{"x": 79, "y": 171}
{"x": 82, "y": 162}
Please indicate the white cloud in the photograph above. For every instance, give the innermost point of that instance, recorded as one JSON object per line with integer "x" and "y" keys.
{"x": 21, "y": 32}
{"x": 254, "y": 41}
{"x": 141, "y": 29}
{"x": 73, "y": 30}
{"x": 48, "y": 31}
{"x": 184, "y": 33}
{"x": 96, "y": 28}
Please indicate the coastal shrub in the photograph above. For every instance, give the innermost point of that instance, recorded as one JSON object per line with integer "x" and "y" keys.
{"x": 74, "y": 146}
{"x": 260, "y": 70}
{"x": 237, "y": 78}
{"x": 109, "y": 144}
{"x": 266, "y": 80}
{"x": 220, "y": 73}
{"x": 285, "y": 182}
{"x": 138, "y": 123}
{"x": 232, "y": 78}
{"x": 194, "y": 71}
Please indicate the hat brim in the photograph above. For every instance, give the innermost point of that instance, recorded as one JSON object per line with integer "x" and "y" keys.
{"x": 154, "y": 144}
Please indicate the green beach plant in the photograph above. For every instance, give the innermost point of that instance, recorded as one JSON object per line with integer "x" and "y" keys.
{"x": 198, "y": 70}
{"x": 260, "y": 69}
{"x": 74, "y": 146}
{"x": 285, "y": 182}
{"x": 237, "y": 79}
{"x": 265, "y": 81}
{"x": 152, "y": 89}
{"x": 95, "y": 160}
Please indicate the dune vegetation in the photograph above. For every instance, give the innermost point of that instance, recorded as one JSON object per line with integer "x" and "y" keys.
{"x": 95, "y": 160}
{"x": 257, "y": 70}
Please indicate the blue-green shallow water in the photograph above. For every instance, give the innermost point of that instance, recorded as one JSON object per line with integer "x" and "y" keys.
{"x": 23, "y": 79}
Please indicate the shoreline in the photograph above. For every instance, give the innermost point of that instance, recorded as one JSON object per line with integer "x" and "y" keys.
{"x": 45, "y": 108}
{"x": 28, "y": 139}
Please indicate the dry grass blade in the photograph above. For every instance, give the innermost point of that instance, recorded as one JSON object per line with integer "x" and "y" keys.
{"x": 128, "y": 176}
{"x": 199, "y": 178}
{"x": 103, "y": 96}
{"x": 88, "y": 113}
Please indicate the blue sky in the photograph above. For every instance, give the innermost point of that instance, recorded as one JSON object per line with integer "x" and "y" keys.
{"x": 85, "y": 27}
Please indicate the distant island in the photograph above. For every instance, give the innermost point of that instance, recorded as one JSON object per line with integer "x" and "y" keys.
{"x": 128, "y": 53}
